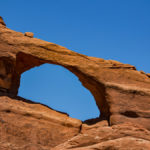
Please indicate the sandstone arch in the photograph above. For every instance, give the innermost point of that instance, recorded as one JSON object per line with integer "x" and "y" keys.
{"x": 94, "y": 87}
{"x": 59, "y": 89}
{"x": 117, "y": 88}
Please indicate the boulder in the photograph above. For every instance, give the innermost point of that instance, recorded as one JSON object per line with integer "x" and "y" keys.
{"x": 29, "y": 34}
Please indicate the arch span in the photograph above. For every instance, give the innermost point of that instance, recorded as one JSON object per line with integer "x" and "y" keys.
{"x": 27, "y": 61}
{"x": 112, "y": 83}
{"x": 58, "y": 88}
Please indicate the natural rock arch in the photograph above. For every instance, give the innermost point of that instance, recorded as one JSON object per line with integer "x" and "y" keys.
{"x": 59, "y": 89}
{"x": 95, "y": 88}
{"x": 117, "y": 88}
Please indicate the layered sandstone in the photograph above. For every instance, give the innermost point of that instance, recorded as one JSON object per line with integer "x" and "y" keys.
{"x": 122, "y": 95}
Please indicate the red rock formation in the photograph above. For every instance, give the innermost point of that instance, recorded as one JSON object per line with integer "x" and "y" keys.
{"x": 121, "y": 93}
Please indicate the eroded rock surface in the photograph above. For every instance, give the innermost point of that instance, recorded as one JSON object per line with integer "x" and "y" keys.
{"x": 101, "y": 137}
{"x": 28, "y": 125}
{"x": 121, "y": 93}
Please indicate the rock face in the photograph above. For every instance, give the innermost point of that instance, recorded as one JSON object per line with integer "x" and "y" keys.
{"x": 27, "y": 125}
{"x": 121, "y": 93}
{"x": 118, "y": 137}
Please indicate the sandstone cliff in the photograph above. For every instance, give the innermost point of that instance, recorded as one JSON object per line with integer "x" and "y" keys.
{"x": 121, "y": 93}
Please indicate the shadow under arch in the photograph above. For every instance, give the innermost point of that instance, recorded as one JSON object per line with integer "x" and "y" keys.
{"x": 59, "y": 89}
{"x": 25, "y": 61}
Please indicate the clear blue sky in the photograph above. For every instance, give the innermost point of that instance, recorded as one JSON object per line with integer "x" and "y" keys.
{"x": 109, "y": 29}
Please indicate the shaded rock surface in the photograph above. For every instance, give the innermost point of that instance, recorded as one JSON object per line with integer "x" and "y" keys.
{"x": 121, "y": 93}
{"x": 2, "y": 21}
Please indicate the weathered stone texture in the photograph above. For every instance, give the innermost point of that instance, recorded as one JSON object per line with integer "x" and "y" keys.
{"x": 121, "y": 93}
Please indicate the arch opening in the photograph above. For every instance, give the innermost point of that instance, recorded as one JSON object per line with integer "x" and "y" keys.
{"x": 58, "y": 88}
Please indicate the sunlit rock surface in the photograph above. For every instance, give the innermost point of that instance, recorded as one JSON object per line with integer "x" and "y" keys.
{"x": 121, "y": 93}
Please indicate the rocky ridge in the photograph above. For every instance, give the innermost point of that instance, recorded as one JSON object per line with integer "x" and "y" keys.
{"x": 122, "y": 94}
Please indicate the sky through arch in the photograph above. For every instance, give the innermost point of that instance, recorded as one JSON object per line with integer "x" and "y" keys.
{"x": 58, "y": 88}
